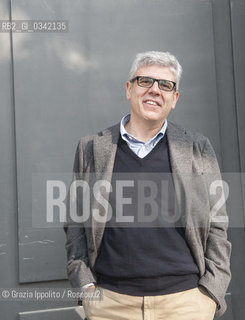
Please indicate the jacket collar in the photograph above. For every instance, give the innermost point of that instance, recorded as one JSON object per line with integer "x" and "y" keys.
{"x": 105, "y": 147}
{"x": 180, "y": 148}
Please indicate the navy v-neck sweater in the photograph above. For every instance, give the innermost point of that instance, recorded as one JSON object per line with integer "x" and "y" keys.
{"x": 144, "y": 258}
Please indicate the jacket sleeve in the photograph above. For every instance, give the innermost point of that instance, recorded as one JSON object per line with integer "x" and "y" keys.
{"x": 218, "y": 249}
{"x": 78, "y": 269}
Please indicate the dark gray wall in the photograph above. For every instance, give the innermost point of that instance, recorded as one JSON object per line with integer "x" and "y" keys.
{"x": 229, "y": 52}
{"x": 62, "y": 98}
{"x": 57, "y": 87}
{"x": 238, "y": 236}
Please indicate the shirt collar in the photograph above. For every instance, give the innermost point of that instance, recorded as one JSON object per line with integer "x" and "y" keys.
{"x": 129, "y": 138}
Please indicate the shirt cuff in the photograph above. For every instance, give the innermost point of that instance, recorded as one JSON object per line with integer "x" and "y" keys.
{"x": 86, "y": 286}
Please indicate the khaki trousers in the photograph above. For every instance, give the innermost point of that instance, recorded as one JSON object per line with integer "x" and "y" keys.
{"x": 193, "y": 304}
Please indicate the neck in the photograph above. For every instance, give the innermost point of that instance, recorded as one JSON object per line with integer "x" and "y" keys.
{"x": 143, "y": 131}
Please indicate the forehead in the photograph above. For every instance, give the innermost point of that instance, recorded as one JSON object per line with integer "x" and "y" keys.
{"x": 155, "y": 71}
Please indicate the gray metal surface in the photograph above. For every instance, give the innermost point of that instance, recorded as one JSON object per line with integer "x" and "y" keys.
{"x": 237, "y": 8}
{"x": 73, "y": 313}
{"x": 57, "y": 101}
{"x": 225, "y": 24}
{"x": 238, "y": 27}
{"x": 8, "y": 200}
{"x": 225, "y": 86}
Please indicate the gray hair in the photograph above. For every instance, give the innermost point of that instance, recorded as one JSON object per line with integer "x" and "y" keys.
{"x": 164, "y": 59}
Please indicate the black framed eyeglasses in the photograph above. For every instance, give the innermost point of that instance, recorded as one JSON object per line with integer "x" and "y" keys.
{"x": 147, "y": 82}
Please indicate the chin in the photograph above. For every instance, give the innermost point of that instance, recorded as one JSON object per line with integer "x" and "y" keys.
{"x": 152, "y": 118}
{"x": 151, "y": 115}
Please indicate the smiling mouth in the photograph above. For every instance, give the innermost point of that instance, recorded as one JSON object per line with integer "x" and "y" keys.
{"x": 151, "y": 102}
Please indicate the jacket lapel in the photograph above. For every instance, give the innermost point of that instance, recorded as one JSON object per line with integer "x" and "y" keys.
{"x": 181, "y": 152}
{"x": 104, "y": 149}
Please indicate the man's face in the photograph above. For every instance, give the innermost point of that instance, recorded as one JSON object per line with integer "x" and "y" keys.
{"x": 151, "y": 104}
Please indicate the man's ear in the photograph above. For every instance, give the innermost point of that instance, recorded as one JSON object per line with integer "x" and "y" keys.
{"x": 176, "y": 97}
{"x": 128, "y": 90}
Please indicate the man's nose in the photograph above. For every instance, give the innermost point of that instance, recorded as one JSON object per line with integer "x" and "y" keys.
{"x": 154, "y": 89}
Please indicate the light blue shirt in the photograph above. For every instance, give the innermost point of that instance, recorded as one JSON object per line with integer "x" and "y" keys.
{"x": 140, "y": 148}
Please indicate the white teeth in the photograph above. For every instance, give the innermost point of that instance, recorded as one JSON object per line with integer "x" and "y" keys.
{"x": 151, "y": 102}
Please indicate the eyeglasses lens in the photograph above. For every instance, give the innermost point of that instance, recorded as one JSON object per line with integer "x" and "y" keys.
{"x": 148, "y": 82}
{"x": 166, "y": 85}
{"x": 145, "y": 82}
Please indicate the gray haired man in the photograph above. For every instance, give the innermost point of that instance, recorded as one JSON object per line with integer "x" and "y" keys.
{"x": 160, "y": 270}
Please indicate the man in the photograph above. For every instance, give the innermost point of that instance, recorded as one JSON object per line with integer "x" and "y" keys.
{"x": 159, "y": 269}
